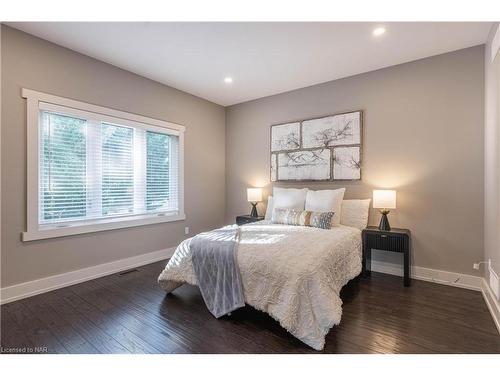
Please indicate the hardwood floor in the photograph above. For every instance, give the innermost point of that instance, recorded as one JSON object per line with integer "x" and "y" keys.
{"x": 131, "y": 314}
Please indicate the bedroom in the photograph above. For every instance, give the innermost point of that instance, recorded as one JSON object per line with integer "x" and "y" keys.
{"x": 210, "y": 197}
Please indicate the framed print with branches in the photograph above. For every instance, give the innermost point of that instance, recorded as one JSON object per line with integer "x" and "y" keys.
{"x": 327, "y": 148}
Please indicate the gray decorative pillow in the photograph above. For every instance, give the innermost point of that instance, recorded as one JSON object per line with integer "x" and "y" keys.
{"x": 321, "y": 220}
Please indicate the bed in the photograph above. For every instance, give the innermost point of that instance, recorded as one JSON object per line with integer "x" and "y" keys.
{"x": 293, "y": 273}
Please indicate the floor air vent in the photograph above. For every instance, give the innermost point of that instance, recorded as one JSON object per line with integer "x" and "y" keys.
{"x": 127, "y": 272}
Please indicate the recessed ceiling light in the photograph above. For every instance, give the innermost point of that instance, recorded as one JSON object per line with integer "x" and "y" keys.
{"x": 378, "y": 31}
{"x": 228, "y": 80}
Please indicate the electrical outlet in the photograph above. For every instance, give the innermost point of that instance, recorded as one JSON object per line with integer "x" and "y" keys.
{"x": 475, "y": 266}
{"x": 186, "y": 230}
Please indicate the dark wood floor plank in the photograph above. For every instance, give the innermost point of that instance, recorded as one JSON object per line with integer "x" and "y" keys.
{"x": 132, "y": 310}
{"x": 41, "y": 339}
{"x": 58, "y": 325}
{"x": 110, "y": 324}
{"x": 130, "y": 313}
{"x": 194, "y": 311}
{"x": 145, "y": 311}
{"x": 439, "y": 301}
{"x": 93, "y": 334}
{"x": 12, "y": 336}
{"x": 192, "y": 326}
{"x": 127, "y": 316}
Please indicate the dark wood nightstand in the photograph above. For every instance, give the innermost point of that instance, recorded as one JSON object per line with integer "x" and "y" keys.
{"x": 245, "y": 219}
{"x": 396, "y": 240}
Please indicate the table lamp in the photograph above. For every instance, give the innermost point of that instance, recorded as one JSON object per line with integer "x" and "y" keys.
{"x": 385, "y": 200}
{"x": 254, "y": 196}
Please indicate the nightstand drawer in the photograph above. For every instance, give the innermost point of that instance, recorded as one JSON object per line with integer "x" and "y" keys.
{"x": 386, "y": 242}
{"x": 396, "y": 240}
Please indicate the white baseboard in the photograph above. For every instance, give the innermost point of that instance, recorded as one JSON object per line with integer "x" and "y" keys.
{"x": 491, "y": 302}
{"x": 428, "y": 274}
{"x": 31, "y": 288}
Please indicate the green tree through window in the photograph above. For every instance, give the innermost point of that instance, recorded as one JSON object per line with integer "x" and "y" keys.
{"x": 158, "y": 170}
{"x": 63, "y": 168}
{"x": 117, "y": 170}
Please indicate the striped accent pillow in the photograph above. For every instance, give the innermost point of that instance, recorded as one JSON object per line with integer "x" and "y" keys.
{"x": 321, "y": 220}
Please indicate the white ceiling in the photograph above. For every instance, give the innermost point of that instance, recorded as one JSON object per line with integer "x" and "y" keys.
{"x": 262, "y": 58}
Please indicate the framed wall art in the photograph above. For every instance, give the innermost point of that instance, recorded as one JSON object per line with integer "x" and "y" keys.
{"x": 327, "y": 148}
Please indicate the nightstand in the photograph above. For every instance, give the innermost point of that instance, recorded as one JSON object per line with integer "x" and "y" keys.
{"x": 396, "y": 240}
{"x": 245, "y": 219}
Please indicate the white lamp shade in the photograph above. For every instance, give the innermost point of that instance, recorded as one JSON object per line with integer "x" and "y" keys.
{"x": 254, "y": 194}
{"x": 384, "y": 199}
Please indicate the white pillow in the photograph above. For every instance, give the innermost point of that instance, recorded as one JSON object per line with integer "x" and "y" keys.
{"x": 355, "y": 213}
{"x": 269, "y": 208}
{"x": 326, "y": 201}
{"x": 293, "y": 199}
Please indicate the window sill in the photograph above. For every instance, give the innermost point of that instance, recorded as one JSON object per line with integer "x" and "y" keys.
{"x": 98, "y": 227}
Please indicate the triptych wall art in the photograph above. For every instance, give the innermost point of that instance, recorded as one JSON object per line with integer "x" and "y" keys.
{"x": 321, "y": 149}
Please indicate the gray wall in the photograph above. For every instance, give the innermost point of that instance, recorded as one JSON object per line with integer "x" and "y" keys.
{"x": 423, "y": 135}
{"x": 492, "y": 159}
{"x": 37, "y": 64}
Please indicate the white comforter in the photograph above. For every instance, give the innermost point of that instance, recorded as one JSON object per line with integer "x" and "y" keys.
{"x": 293, "y": 273}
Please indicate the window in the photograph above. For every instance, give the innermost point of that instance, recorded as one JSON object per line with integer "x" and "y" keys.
{"x": 92, "y": 168}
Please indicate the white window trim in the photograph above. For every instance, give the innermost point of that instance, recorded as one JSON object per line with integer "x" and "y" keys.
{"x": 495, "y": 43}
{"x": 34, "y": 100}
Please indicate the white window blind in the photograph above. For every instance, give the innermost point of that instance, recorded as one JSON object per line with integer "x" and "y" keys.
{"x": 63, "y": 187}
{"x": 95, "y": 169}
{"x": 117, "y": 158}
{"x": 161, "y": 166}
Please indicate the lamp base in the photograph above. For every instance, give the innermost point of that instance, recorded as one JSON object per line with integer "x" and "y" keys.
{"x": 384, "y": 222}
{"x": 254, "y": 210}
